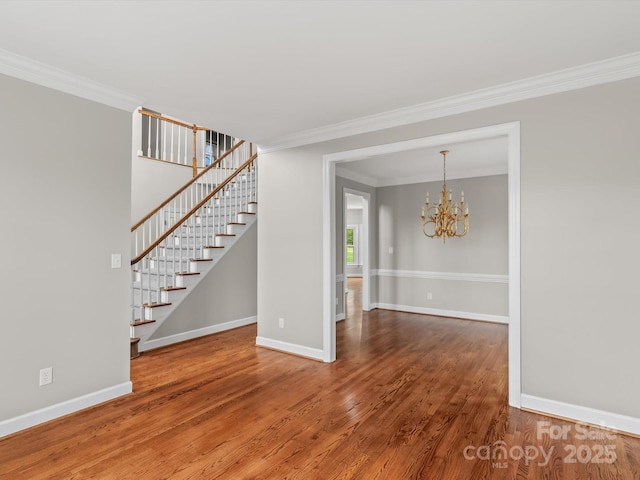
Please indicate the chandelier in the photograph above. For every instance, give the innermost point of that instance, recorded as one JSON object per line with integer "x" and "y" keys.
{"x": 448, "y": 219}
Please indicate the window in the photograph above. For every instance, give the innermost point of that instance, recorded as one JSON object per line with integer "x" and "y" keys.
{"x": 353, "y": 254}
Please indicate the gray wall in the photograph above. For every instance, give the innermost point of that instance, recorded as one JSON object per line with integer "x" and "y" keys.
{"x": 226, "y": 294}
{"x": 484, "y": 250}
{"x": 579, "y": 178}
{"x": 152, "y": 182}
{"x": 290, "y": 247}
{"x": 66, "y": 171}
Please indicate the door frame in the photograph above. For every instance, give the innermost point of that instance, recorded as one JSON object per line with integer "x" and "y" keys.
{"x": 512, "y": 133}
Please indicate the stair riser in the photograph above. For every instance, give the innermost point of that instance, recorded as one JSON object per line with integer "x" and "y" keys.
{"x": 246, "y": 218}
{"x": 236, "y": 229}
{"x": 224, "y": 241}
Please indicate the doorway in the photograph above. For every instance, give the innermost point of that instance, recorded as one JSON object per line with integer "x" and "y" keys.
{"x": 356, "y": 253}
{"x": 512, "y": 133}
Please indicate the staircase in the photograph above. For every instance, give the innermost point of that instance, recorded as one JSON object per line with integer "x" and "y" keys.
{"x": 177, "y": 244}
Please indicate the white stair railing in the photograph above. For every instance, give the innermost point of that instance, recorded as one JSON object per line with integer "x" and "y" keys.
{"x": 169, "y": 140}
{"x": 189, "y": 227}
{"x": 164, "y": 217}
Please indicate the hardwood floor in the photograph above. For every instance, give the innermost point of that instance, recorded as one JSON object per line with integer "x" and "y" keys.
{"x": 410, "y": 397}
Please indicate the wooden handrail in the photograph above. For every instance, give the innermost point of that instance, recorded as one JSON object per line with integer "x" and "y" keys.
{"x": 170, "y": 120}
{"x": 186, "y": 185}
{"x": 199, "y": 205}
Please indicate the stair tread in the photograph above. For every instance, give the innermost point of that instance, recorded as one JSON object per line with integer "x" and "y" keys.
{"x": 138, "y": 322}
{"x": 157, "y": 304}
{"x": 246, "y": 213}
{"x": 187, "y": 273}
{"x": 225, "y": 234}
{"x": 201, "y": 259}
{"x": 135, "y": 339}
{"x": 236, "y": 223}
{"x": 213, "y": 246}
{"x": 171, "y": 289}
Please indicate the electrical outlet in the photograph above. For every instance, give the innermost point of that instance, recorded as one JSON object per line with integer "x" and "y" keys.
{"x": 429, "y": 296}
{"x": 281, "y": 322}
{"x": 390, "y": 250}
{"x": 46, "y": 376}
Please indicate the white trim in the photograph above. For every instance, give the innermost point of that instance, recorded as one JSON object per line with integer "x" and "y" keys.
{"x": 588, "y": 75}
{"x": 470, "y": 135}
{"x": 461, "y": 277}
{"x": 48, "y": 76}
{"x": 199, "y": 332}
{"x": 12, "y": 425}
{"x": 328, "y": 262}
{"x": 513, "y": 187}
{"x": 512, "y": 132}
{"x": 579, "y": 413}
{"x": 340, "y": 316}
{"x": 292, "y": 348}
{"x": 483, "y": 317}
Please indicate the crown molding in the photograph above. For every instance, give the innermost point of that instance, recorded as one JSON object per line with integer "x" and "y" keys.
{"x": 40, "y": 73}
{"x": 591, "y": 74}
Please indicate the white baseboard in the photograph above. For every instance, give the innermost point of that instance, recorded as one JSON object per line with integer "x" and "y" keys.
{"x": 483, "y": 317}
{"x": 199, "y": 332}
{"x": 287, "y": 347}
{"x": 12, "y": 425}
{"x": 621, "y": 423}
{"x": 340, "y": 316}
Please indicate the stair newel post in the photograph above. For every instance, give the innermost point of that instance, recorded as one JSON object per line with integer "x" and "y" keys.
{"x": 194, "y": 161}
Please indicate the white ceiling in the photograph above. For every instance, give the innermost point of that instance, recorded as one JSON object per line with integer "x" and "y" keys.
{"x": 264, "y": 69}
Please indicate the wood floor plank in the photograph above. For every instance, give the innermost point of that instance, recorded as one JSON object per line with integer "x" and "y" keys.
{"x": 408, "y": 396}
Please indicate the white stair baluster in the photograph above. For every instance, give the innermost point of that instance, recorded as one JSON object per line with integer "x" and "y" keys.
{"x": 164, "y": 142}
{"x": 157, "y": 137}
